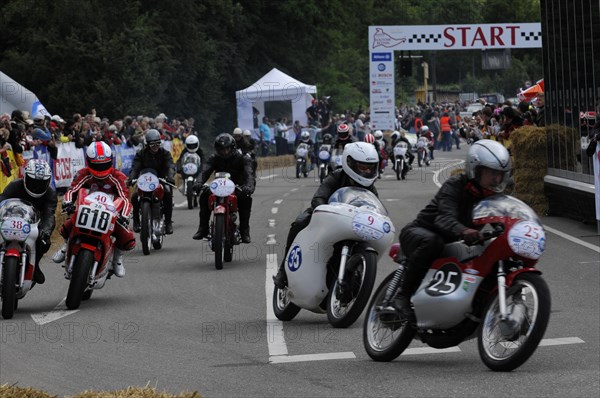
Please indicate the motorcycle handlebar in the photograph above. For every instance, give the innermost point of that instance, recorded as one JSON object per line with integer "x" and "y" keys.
{"x": 487, "y": 235}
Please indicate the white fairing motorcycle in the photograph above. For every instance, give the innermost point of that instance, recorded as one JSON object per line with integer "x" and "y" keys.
{"x": 18, "y": 232}
{"x": 332, "y": 264}
{"x": 400, "y": 165}
{"x": 191, "y": 168}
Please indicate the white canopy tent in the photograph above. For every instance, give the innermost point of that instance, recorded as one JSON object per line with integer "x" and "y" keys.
{"x": 274, "y": 86}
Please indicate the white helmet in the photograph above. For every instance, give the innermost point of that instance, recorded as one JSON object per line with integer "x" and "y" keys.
{"x": 37, "y": 177}
{"x": 237, "y": 131}
{"x": 305, "y": 136}
{"x": 490, "y": 154}
{"x": 192, "y": 143}
{"x": 378, "y": 134}
{"x": 424, "y": 129}
{"x": 247, "y": 133}
{"x": 361, "y": 162}
{"x": 395, "y": 135}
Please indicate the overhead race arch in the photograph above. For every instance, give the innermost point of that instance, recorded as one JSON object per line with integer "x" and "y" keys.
{"x": 384, "y": 40}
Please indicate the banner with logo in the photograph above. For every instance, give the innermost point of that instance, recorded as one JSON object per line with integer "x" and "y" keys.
{"x": 124, "y": 158}
{"x": 68, "y": 162}
{"x": 381, "y": 78}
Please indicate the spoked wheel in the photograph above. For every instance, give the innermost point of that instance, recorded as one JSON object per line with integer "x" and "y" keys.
{"x": 298, "y": 168}
{"x": 506, "y": 345}
{"x": 87, "y": 294}
{"x": 398, "y": 169}
{"x": 283, "y": 308}
{"x": 9, "y": 286}
{"x": 322, "y": 174}
{"x": 346, "y": 303}
{"x": 228, "y": 245}
{"x": 385, "y": 337}
{"x": 217, "y": 240}
{"x": 79, "y": 278}
{"x": 146, "y": 232}
{"x": 420, "y": 158}
{"x": 190, "y": 194}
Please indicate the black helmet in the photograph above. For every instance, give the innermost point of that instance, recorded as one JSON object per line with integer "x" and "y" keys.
{"x": 224, "y": 145}
{"x": 327, "y": 138}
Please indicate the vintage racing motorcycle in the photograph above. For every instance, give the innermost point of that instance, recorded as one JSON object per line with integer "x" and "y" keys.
{"x": 490, "y": 291}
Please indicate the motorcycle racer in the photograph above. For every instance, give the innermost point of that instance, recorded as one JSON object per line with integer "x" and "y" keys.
{"x": 99, "y": 175}
{"x": 447, "y": 218}
{"x": 360, "y": 163}
{"x": 34, "y": 187}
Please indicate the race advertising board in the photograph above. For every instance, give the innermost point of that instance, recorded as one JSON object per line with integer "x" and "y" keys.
{"x": 381, "y": 83}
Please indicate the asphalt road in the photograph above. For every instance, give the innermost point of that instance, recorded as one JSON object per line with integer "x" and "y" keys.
{"x": 177, "y": 324}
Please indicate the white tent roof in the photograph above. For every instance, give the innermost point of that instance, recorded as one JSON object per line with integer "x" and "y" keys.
{"x": 275, "y": 86}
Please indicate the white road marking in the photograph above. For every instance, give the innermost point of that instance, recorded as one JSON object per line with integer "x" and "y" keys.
{"x": 272, "y": 223}
{"x": 275, "y": 335}
{"x": 561, "y": 341}
{"x": 267, "y": 177}
{"x": 271, "y": 240}
{"x": 274, "y": 210}
{"x": 278, "y": 201}
{"x": 573, "y": 239}
{"x": 60, "y": 311}
{"x": 293, "y": 189}
{"x": 311, "y": 357}
{"x": 182, "y": 204}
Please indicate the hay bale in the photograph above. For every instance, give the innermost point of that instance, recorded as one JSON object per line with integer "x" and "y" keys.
{"x": 272, "y": 162}
{"x": 135, "y": 392}
{"x": 21, "y": 392}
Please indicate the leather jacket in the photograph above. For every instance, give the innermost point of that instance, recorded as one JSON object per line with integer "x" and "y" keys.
{"x": 46, "y": 204}
{"x": 161, "y": 162}
{"x": 238, "y": 165}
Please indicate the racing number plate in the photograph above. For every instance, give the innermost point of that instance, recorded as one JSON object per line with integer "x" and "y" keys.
{"x": 93, "y": 218}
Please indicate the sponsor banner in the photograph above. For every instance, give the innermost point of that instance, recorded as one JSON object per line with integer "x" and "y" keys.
{"x": 68, "y": 162}
{"x": 455, "y": 37}
{"x": 382, "y": 90}
{"x": 124, "y": 158}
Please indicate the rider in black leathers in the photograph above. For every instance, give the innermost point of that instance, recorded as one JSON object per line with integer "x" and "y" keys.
{"x": 447, "y": 218}
{"x": 227, "y": 159}
{"x": 160, "y": 160}
{"x": 35, "y": 188}
{"x": 349, "y": 175}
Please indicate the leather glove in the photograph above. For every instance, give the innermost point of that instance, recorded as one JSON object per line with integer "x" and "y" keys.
{"x": 44, "y": 236}
{"x": 247, "y": 191}
{"x": 68, "y": 207}
{"x": 131, "y": 182}
{"x": 471, "y": 236}
{"x": 123, "y": 221}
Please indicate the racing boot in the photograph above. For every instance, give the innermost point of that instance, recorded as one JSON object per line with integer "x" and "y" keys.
{"x": 201, "y": 233}
{"x": 60, "y": 254}
{"x": 38, "y": 275}
{"x": 280, "y": 280}
{"x": 168, "y": 227}
{"x": 117, "y": 263}
{"x": 245, "y": 232}
{"x": 137, "y": 227}
{"x": 411, "y": 280}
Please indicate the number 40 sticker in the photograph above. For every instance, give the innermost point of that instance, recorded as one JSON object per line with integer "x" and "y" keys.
{"x": 445, "y": 280}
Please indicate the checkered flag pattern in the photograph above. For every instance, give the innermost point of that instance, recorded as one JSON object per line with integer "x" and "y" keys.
{"x": 534, "y": 36}
{"x": 425, "y": 38}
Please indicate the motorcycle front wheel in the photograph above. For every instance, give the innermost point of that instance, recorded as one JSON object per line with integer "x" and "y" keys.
{"x": 385, "y": 337}
{"x": 346, "y": 303}
{"x": 398, "y": 169}
{"x": 322, "y": 174}
{"x": 283, "y": 308}
{"x": 217, "y": 240}
{"x": 190, "y": 194}
{"x": 146, "y": 232}
{"x": 506, "y": 345}
{"x": 9, "y": 286}
{"x": 79, "y": 278}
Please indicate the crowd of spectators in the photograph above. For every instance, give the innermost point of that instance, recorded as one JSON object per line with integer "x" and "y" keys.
{"x": 20, "y": 131}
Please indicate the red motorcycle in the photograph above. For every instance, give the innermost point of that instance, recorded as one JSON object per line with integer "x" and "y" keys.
{"x": 91, "y": 245}
{"x": 490, "y": 291}
{"x": 224, "y": 232}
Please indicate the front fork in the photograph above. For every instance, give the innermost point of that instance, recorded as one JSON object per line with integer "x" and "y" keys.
{"x": 502, "y": 290}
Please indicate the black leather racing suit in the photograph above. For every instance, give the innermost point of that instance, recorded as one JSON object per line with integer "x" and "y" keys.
{"x": 240, "y": 168}
{"x": 162, "y": 163}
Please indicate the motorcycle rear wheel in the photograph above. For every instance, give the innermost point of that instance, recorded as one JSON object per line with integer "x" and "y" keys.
{"x": 217, "y": 240}
{"x": 385, "y": 337}
{"x": 79, "y": 278}
{"x": 283, "y": 308}
{"x": 361, "y": 270}
{"x": 146, "y": 232}
{"x": 9, "y": 286}
{"x": 529, "y": 295}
